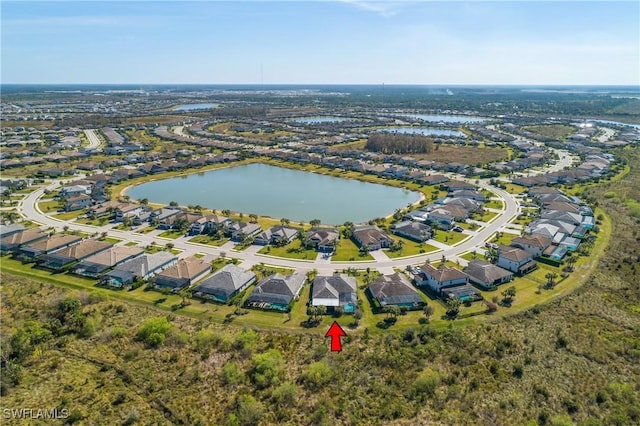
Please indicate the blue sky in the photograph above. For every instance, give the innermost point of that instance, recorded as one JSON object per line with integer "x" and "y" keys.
{"x": 321, "y": 42}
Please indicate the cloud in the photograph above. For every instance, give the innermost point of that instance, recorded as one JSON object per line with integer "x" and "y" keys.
{"x": 382, "y": 8}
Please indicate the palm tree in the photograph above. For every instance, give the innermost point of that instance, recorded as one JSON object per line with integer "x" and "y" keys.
{"x": 284, "y": 221}
{"x": 315, "y": 223}
{"x": 551, "y": 279}
{"x": 571, "y": 260}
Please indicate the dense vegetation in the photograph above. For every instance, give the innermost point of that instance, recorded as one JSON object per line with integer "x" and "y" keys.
{"x": 576, "y": 359}
{"x": 391, "y": 143}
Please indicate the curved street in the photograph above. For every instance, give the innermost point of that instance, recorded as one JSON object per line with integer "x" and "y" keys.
{"x": 475, "y": 240}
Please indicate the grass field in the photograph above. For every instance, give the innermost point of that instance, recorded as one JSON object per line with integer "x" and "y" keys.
{"x": 553, "y": 131}
{"x": 449, "y": 237}
{"x": 410, "y": 248}
{"x": 205, "y": 239}
{"x": 292, "y": 251}
{"x": 348, "y": 251}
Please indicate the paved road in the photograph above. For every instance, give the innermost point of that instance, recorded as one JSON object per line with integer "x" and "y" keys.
{"x": 94, "y": 139}
{"x": 28, "y": 208}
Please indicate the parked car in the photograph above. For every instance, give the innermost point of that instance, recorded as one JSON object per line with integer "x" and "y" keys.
{"x": 457, "y": 229}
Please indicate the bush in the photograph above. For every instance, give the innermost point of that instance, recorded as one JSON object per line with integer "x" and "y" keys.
{"x": 153, "y": 331}
{"x": 318, "y": 375}
{"x": 232, "y": 374}
{"x": 425, "y": 384}
{"x": 267, "y": 368}
{"x": 249, "y": 411}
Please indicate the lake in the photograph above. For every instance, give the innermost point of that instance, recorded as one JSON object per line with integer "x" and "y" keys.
{"x": 448, "y": 118}
{"x": 319, "y": 120}
{"x": 279, "y": 192}
{"x": 191, "y": 107}
{"x": 422, "y": 131}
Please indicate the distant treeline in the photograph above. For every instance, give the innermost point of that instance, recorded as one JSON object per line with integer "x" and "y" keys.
{"x": 388, "y": 143}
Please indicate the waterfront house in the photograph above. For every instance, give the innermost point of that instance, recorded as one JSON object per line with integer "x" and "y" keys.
{"x": 415, "y": 231}
{"x": 276, "y": 235}
{"x": 239, "y": 231}
{"x": 371, "y": 238}
{"x": 323, "y": 240}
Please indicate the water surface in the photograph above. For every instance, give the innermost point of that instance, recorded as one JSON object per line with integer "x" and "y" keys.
{"x": 280, "y": 193}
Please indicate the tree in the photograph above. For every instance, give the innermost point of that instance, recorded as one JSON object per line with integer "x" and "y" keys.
{"x": 315, "y": 223}
{"x": 226, "y": 212}
{"x": 173, "y": 203}
{"x": 453, "y": 307}
{"x": 284, "y": 221}
{"x": 427, "y": 311}
{"x": 551, "y": 279}
{"x": 508, "y": 295}
{"x": 144, "y": 201}
{"x": 571, "y": 261}
{"x": 392, "y": 312}
{"x": 253, "y": 218}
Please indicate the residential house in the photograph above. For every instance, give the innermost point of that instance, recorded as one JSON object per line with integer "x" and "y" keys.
{"x": 224, "y": 284}
{"x": 415, "y": 231}
{"x": 208, "y": 224}
{"x": 466, "y": 193}
{"x": 73, "y": 190}
{"x": 183, "y": 274}
{"x": 142, "y": 267}
{"x": 515, "y": 260}
{"x": 7, "y": 230}
{"x": 240, "y": 231}
{"x": 417, "y": 216}
{"x": 323, "y": 240}
{"x": 456, "y": 185}
{"x": 32, "y": 251}
{"x": 395, "y": 290}
{"x": 96, "y": 265}
{"x": 77, "y": 202}
{"x": 371, "y": 238}
{"x": 68, "y": 255}
{"x": 332, "y": 291}
{"x": 128, "y": 210}
{"x": 439, "y": 278}
{"x": 487, "y": 275}
{"x": 276, "y": 291}
{"x": 434, "y": 179}
{"x": 441, "y": 219}
{"x": 13, "y": 242}
{"x": 276, "y": 235}
{"x": 163, "y": 216}
{"x": 534, "y": 244}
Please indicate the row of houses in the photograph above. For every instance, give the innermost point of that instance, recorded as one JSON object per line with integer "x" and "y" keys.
{"x": 595, "y": 165}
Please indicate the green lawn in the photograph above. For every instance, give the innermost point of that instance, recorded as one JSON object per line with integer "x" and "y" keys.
{"x": 512, "y": 188}
{"x": 348, "y": 251}
{"x": 486, "y": 217}
{"x": 449, "y": 237}
{"x": 205, "y": 239}
{"x": 494, "y": 204}
{"x": 291, "y": 251}
{"x": 49, "y": 206}
{"x": 146, "y": 230}
{"x": 410, "y": 248}
{"x": 68, "y": 215}
{"x": 95, "y": 222}
{"x": 172, "y": 234}
{"x": 469, "y": 256}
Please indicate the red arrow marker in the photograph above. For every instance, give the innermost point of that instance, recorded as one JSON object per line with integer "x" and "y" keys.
{"x": 335, "y": 332}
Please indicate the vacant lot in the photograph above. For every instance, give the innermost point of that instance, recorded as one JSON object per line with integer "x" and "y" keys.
{"x": 553, "y": 131}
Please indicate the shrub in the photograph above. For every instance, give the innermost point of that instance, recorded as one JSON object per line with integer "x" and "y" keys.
{"x": 425, "y": 384}
{"x": 267, "y": 368}
{"x": 318, "y": 375}
{"x": 153, "y": 331}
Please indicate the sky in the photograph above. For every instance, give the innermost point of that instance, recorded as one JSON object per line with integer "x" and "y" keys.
{"x": 321, "y": 42}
